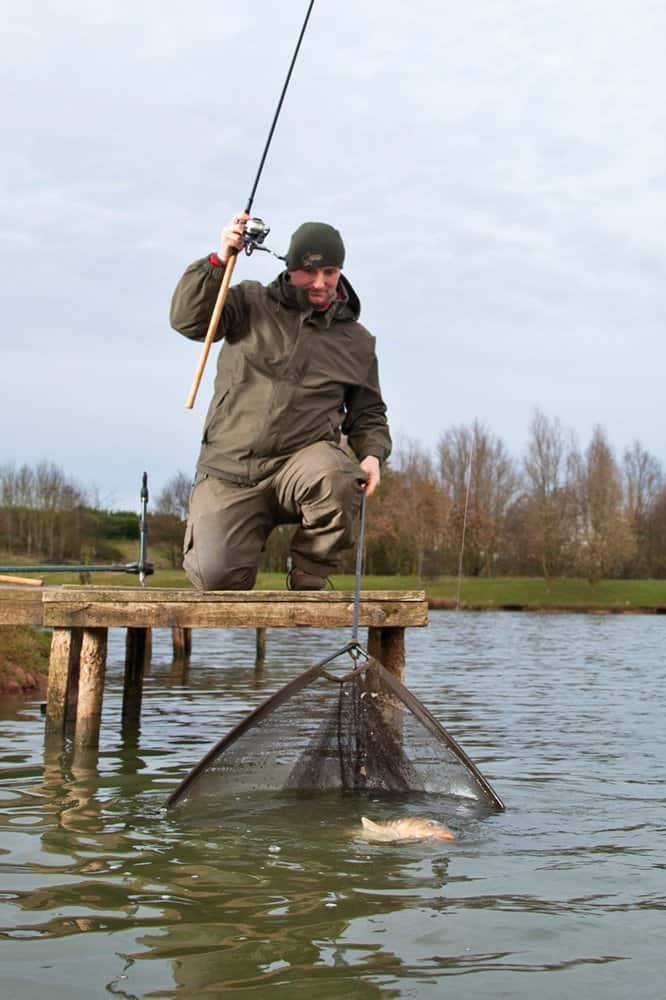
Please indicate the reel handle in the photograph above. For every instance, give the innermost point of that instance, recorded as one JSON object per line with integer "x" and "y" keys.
{"x": 212, "y": 329}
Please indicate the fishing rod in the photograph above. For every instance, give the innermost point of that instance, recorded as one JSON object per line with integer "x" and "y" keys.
{"x": 253, "y": 237}
{"x": 141, "y": 568}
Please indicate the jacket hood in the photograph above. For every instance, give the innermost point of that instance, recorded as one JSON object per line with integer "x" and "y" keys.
{"x": 346, "y": 307}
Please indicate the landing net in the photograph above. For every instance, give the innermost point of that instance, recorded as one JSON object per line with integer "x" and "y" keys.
{"x": 362, "y": 731}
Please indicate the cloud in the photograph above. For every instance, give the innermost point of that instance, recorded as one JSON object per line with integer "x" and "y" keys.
{"x": 498, "y": 174}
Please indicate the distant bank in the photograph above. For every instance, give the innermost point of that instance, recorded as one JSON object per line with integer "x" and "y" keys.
{"x": 443, "y": 604}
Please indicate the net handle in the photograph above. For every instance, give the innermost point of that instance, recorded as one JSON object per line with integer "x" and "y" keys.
{"x": 359, "y": 570}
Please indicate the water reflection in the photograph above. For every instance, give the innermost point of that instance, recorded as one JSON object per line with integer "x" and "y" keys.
{"x": 563, "y": 892}
{"x": 71, "y": 780}
{"x": 236, "y": 897}
{"x": 289, "y": 898}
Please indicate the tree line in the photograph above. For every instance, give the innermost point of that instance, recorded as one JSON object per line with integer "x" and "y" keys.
{"x": 468, "y": 507}
{"x": 557, "y": 511}
{"x": 47, "y": 517}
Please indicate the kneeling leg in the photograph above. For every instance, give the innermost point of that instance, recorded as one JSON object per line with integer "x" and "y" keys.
{"x": 321, "y": 486}
{"x": 226, "y": 531}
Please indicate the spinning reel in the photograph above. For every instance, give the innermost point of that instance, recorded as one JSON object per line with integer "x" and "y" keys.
{"x": 254, "y": 235}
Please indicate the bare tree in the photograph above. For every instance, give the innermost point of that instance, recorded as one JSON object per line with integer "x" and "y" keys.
{"x": 175, "y": 496}
{"x": 604, "y": 538}
{"x": 549, "y": 511}
{"x": 167, "y": 524}
{"x": 656, "y": 535}
{"x": 8, "y": 506}
{"x": 643, "y": 482}
{"x": 410, "y": 512}
{"x": 24, "y": 501}
{"x": 41, "y": 510}
{"x": 481, "y": 480}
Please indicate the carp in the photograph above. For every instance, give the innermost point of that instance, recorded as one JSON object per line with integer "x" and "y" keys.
{"x": 412, "y": 828}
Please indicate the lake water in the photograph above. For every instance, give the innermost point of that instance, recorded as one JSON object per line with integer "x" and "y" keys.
{"x": 562, "y": 895}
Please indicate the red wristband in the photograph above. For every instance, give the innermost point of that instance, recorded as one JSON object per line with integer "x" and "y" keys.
{"x": 215, "y": 260}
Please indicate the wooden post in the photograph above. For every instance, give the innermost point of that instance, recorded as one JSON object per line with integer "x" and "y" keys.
{"x": 182, "y": 642}
{"x": 63, "y": 687}
{"x": 148, "y": 654}
{"x": 137, "y": 658}
{"x": 260, "y": 649}
{"x": 138, "y": 648}
{"x": 91, "y": 686}
{"x": 388, "y": 646}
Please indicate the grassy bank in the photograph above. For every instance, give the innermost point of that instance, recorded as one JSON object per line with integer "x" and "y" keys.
{"x": 24, "y": 659}
{"x": 475, "y": 592}
{"x": 519, "y": 592}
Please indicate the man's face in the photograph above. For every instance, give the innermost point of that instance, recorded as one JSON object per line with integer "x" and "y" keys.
{"x": 319, "y": 283}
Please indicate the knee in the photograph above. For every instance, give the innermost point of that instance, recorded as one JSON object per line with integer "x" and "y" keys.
{"x": 210, "y": 577}
{"x": 213, "y": 567}
{"x": 340, "y": 486}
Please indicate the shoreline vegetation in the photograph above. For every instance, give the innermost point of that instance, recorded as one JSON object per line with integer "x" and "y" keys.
{"x": 24, "y": 661}
{"x": 24, "y": 650}
{"x": 478, "y": 593}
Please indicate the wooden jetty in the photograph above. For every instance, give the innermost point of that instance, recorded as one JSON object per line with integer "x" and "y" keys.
{"x": 80, "y": 618}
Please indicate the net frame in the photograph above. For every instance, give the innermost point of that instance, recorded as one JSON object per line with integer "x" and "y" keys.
{"x": 362, "y": 662}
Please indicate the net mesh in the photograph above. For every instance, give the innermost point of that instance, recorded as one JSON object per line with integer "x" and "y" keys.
{"x": 360, "y": 732}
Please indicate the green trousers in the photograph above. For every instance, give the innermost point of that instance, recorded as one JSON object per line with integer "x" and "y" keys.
{"x": 318, "y": 488}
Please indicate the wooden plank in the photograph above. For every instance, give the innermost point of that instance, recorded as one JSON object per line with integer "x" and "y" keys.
{"x": 21, "y": 606}
{"x": 25, "y": 581}
{"x": 249, "y": 614}
{"x": 168, "y": 595}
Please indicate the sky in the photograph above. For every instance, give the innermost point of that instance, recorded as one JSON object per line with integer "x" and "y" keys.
{"x": 497, "y": 170}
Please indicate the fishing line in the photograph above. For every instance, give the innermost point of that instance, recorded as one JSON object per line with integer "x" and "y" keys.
{"x": 250, "y": 200}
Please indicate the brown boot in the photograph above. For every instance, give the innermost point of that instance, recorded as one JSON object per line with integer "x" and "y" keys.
{"x": 298, "y": 579}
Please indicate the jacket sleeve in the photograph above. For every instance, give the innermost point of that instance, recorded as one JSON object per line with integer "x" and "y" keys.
{"x": 365, "y": 423}
{"x": 194, "y": 299}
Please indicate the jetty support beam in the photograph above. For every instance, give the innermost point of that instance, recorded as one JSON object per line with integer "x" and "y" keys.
{"x": 138, "y": 652}
{"x": 388, "y": 646}
{"x": 63, "y": 691}
{"x": 91, "y": 686}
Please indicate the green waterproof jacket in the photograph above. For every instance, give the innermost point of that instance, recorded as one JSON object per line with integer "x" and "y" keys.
{"x": 287, "y": 375}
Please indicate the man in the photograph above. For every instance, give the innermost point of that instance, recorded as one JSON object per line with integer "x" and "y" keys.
{"x": 295, "y": 373}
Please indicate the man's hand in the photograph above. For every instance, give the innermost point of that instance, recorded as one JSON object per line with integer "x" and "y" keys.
{"x": 232, "y": 236}
{"x": 370, "y": 464}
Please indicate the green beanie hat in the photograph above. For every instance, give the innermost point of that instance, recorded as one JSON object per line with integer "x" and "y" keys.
{"x": 314, "y": 244}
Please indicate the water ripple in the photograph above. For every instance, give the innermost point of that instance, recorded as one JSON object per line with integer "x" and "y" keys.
{"x": 562, "y": 713}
